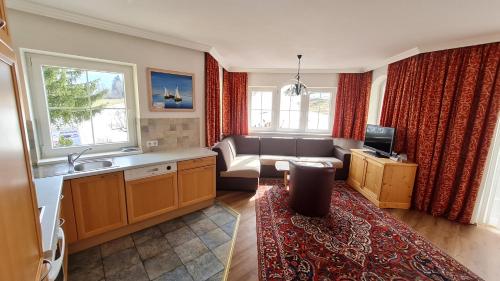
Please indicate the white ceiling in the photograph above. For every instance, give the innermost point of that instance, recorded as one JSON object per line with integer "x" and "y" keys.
{"x": 267, "y": 34}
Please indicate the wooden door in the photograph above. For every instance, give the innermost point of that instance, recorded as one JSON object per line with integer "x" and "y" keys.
{"x": 357, "y": 170}
{"x": 20, "y": 242}
{"x": 68, "y": 214}
{"x": 196, "y": 185}
{"x": 99, "y": 203}
{"x": 151, "y": 197}
{"x": 373, "y": 177}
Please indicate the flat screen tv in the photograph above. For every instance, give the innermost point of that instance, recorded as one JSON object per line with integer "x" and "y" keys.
{"x": 380, "y": 140}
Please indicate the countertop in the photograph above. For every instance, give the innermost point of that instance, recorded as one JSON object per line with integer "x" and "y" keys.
{"x": 48, "y": 193}
{"x": 49, "y": 181}
{"x": 122, "y": 163}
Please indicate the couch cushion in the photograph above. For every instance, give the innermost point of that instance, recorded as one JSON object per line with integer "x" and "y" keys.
{"x": 278, "y": 146}
{"x": 315, "y": 147}
{"x": 335, "y": 162}
{"x": 247, "y": 144}
{"x": 243, "y": 166}
{"x": 270, "y": 160}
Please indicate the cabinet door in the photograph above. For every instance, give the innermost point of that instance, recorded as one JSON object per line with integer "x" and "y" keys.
{"x": 99, "y": 203}
{"x": 68, "y": 214}
{"x": 196, "y": 185}
{"x": 20, "y": 243}
{"x": 357, "y": 170}
{"x": 373, "y": 177}
{"x": 152, "y": 196}
{"x": 4, "y": 31}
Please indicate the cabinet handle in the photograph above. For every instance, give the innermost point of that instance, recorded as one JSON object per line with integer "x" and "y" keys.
{"x": 61, "y": 221}
{"x": 48, "y": 270}
{"x": 2, "y": 23}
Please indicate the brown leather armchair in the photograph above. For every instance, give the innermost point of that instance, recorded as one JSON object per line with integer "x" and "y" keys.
{"x": 310, "y": 189}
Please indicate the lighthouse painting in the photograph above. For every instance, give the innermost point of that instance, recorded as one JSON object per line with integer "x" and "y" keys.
{"x": 170, "y": 90}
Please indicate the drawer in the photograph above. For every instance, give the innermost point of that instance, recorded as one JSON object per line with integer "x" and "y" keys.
{"x": 150, "y": 171}
{"x": 195, "y": 163}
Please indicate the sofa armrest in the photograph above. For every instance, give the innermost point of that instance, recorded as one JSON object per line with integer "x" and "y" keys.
{"x": 220, "y": 163}
{"x": 345, "y": 156}
{"x": 342, "y": 154}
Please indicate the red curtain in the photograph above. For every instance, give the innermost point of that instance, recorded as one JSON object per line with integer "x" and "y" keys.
{"x": 351, "y": 107}
{"x": 212, "y": 101}
{"x": 234, "y": 103}
{"x": 445, "y": 105}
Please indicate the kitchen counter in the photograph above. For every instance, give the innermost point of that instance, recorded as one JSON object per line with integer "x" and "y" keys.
{"x": 49, "y": 181}
{"x": 124, "y": 163}
{"x": 48, "y": 193}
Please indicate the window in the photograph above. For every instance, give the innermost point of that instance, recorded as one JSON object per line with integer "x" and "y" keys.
{"x": 289, "y": 111}
{"x": 377, "y": 93}
{"x": 271, "y": 110}
{"x": 81, "y": 103}
{"x": 487, "y": 210}
{"x": 318, "y": 116}
{"x": 261, "y": 106}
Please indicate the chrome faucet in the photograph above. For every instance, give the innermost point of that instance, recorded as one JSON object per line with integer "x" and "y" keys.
{"x": 74, "y": 156}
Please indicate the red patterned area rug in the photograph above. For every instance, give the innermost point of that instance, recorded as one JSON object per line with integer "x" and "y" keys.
{"x": 355, "y": 241}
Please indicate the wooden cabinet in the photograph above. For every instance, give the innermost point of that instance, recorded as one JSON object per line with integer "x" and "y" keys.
{"x": 196, "y": 180}
{"x": 357, "y": 175}
{"x": 4, "y": 28}
{"x": 386, "y": 183}
{"x": 68, "y": 214}
{"x": 373, "y": 177}
{"x": 195, "y": 163}
{"x": 149, "y": 197}
{"x": 20, "y": 239}
{"x": 99, "y": 203}
{"x": 100, "y": 208}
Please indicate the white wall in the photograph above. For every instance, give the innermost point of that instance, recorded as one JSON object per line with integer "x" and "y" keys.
{"x": 281, "y": 79}
{"x": 379, "y": 79}
{"x": 42, "y": 33}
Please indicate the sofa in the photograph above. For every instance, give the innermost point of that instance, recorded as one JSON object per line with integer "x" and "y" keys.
{"x": 242, "y": 160}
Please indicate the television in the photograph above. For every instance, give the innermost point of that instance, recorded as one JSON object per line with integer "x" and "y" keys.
{"x": 380, "y": 140}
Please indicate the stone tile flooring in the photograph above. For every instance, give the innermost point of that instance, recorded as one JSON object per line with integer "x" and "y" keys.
{"x": 194, "y": 247}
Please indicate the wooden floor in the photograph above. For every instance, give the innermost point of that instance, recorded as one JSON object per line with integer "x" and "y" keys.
{"x": 478, "y": 248}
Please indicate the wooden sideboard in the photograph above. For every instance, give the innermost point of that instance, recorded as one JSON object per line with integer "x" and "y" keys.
{"x": 385, "y": 182}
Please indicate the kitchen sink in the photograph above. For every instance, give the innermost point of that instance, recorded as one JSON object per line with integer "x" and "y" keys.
{"x": 93, "y": 165}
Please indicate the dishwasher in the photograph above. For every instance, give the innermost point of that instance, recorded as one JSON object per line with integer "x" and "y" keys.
{"x": 151, "y": 191}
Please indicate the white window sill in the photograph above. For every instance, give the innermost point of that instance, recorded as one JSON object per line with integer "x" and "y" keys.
{"x": 56, "y": 160}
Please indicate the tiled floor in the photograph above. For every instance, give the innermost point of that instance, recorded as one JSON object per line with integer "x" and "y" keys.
{"x": 193, "y": 247}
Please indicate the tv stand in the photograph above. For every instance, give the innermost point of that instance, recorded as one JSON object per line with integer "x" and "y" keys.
{"x": 385, "y": 182}
{"x": 375, "y": 153}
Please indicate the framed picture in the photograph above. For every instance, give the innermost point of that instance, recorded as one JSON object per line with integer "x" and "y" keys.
{"x": 170, "y": 90}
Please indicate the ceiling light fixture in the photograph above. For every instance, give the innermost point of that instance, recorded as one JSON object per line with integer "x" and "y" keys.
{"x": 297, "y": 88}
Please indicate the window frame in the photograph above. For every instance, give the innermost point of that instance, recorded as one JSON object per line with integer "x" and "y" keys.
{"x": 304, "y": 111}
{"x": 40, "y": 112}
{"x": 331, "y": 113}
{"x": 273, "y": 109}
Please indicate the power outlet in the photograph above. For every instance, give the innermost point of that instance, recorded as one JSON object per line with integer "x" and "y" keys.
{"x": 152, "y": 143}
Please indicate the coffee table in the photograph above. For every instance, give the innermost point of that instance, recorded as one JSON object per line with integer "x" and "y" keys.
{"x": 284, "y": 166}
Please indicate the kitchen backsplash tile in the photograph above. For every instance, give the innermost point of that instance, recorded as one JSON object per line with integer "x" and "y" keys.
{"x": 171, "y": 133}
